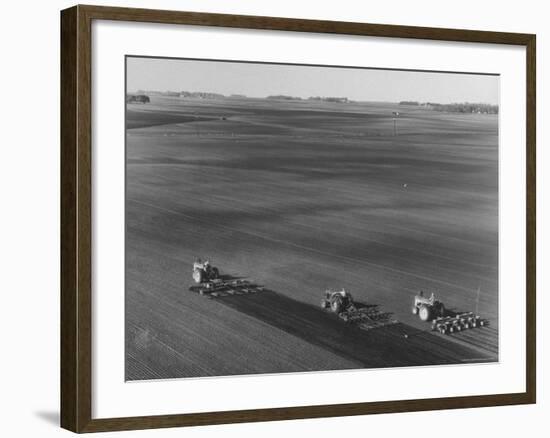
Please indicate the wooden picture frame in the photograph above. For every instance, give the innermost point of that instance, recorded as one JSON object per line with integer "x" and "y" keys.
{"x": 76, "y": 217}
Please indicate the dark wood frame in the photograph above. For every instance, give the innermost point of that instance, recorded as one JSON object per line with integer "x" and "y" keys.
{"x": 76, "y": 225}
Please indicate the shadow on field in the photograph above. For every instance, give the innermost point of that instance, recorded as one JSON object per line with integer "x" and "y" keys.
{"x": 227, "y": 277}
{"x": 389, "y": 346}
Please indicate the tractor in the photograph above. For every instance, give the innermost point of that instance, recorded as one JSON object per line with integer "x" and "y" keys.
{"x": 204, "y": 271}
{"x": 427, "y": 308}
{"x": 337, "y": 301}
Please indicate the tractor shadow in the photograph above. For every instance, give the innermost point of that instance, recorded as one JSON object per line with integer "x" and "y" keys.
{"x": 452, "y": 312}
{"x": 227, "y": 277}
{"x": 360, "y": 305}
{"x": 375, "y": 310}
{"x": 387, "y": 346}
{"x": 224, "y": 277}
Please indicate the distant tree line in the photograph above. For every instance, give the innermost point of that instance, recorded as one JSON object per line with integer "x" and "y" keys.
{"x": 137, "y": 98}
{"x": 283, "y": 97}
{"x": 317, "y": 98}
{"x": 196, "y": 94}
{"x": 330, "y": 99}
{"x": 201, "y": 94}
{"x": 210, "y": 95}
{"x": 464, "y": 107}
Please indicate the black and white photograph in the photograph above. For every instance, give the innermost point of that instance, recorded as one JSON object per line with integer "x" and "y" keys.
{"x": 287, "y": 218}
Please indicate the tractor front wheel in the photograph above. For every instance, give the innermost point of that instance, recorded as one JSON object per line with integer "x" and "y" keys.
{"x": 414, "y": 310}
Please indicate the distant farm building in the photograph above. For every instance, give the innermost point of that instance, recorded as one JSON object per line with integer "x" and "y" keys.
{"x": 137, "y": 98}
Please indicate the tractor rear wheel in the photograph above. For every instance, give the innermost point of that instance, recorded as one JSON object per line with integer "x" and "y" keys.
{"x": 424, "y": 313}
{"x": 215, "y": 273}
{"x": 336, "y": 304}
{"x": 198, "y": 276}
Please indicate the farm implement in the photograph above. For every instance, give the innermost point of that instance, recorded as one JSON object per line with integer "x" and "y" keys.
{"x": 341, "y": 304}
{"x": 218, "y": 288}
{"x": 457, "y": 323}
{"x": 209, "y": 282}
{"x": 430, "y": 309}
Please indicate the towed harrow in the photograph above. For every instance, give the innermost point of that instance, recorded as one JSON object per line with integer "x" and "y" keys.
{"x": 219, "y": 288}
{"x": 341, "y": 303}
{"x": 431, "y": 309}
{"x": 367, "y": 318}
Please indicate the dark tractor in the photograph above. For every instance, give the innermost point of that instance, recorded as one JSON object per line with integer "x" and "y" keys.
{"x": 337, "y": 301}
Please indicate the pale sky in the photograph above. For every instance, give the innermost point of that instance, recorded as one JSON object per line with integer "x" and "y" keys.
{"x": 260, "y": 80}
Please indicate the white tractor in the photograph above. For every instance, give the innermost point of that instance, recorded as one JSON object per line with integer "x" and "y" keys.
{"x": 204, "y": 271}
{"x": 427, "y": 308}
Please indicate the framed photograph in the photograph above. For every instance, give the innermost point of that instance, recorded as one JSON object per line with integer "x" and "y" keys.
{"x": 270, "y": 218}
